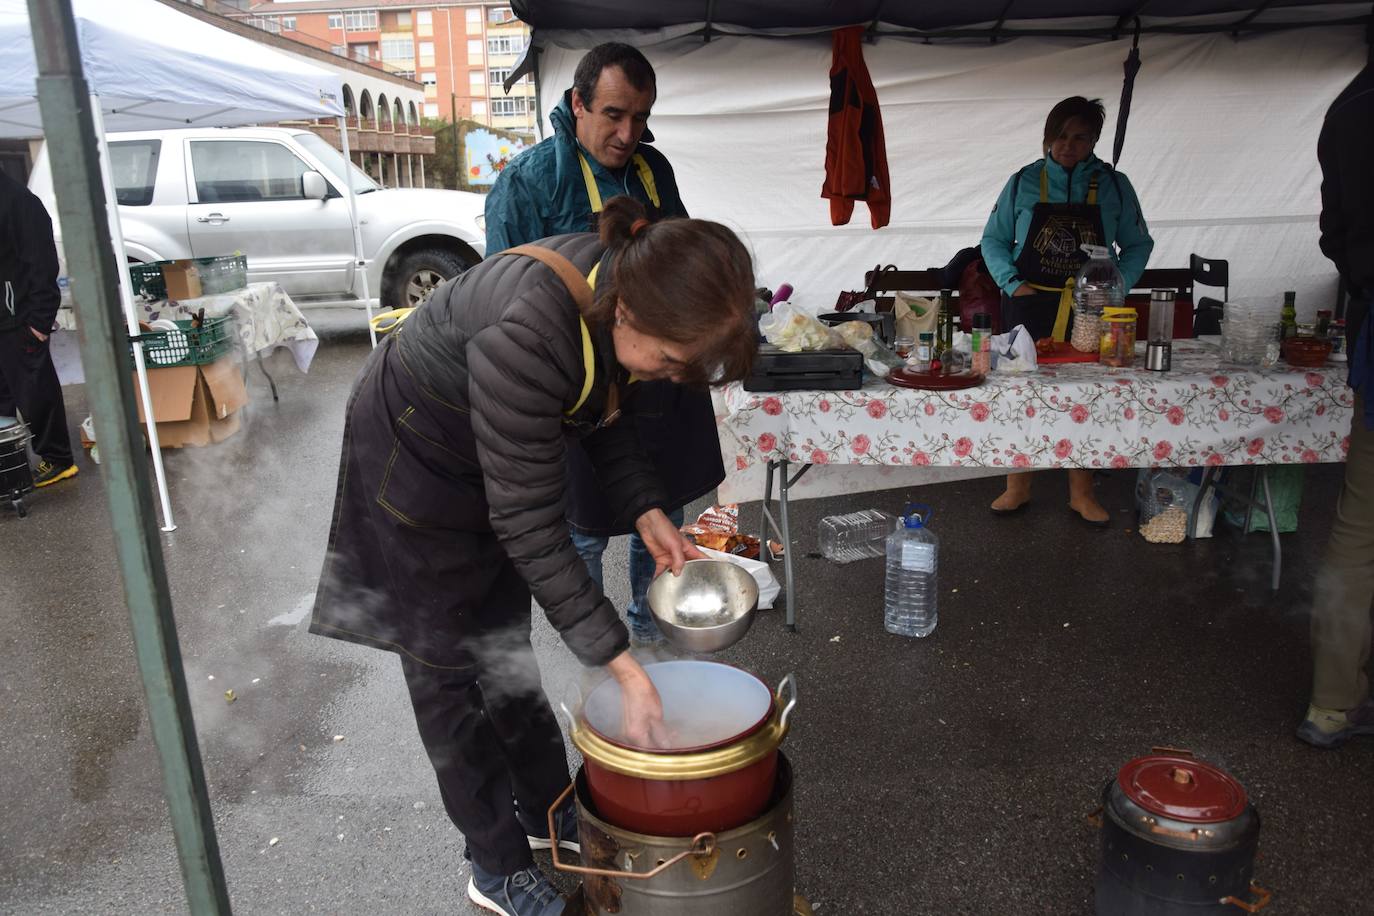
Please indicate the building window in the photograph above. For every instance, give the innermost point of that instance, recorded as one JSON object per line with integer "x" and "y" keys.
{"x": 431, "y": 109}
{"x": 499, "y": 14}
{"x": 475, "y": 81}
{"x": 426, "y": 49}
{"x": 504, "y": 108}
{"x": 339, "y": 50}
{"x": 429, "y": 79}
{"x": 505, "y": 44}
{"x": 361, "y": 20}
{"x": 361, "y": 53}
{"x": 398, "y": 49}
{"x": 288, "y": 23}
{"x": 474, "y": 16}
{"x": 497, "y": 77}
{"x": 424, "y": 17}
{"x": 336, "y": 20}
{"x": 479, "y": 109}
{"x": 265, "y": 23}
{"x": 403, "y": 19}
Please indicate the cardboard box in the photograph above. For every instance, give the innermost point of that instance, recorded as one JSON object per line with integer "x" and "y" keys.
{"x": 182, "y": 279}
{"x": 196, "y": 405}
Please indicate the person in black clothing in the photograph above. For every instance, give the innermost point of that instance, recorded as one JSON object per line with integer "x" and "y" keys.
{"x": 1340, "y": 706}
{"x": 28, "y": 380}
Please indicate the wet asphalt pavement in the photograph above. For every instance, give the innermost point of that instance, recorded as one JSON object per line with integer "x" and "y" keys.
{"x": 938, "y": 776}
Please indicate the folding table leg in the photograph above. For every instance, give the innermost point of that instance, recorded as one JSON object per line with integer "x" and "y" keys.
{"x": 1273, "y": 526}
{"x": 273, "y": 384}
{"x": 783, "y": 513}
{"x": 1208, "y": 473}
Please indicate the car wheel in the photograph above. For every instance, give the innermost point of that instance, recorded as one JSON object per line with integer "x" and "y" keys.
{"x": 419, "y": 272}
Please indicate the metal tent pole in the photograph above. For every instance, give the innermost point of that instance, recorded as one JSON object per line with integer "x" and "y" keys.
{"x": 126, "y": 297}
{"x": 64, "y": 99}
{"x": 359, "y": 262}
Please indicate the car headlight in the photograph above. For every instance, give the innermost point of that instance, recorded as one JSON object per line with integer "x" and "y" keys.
{"x": 481, "y": 221}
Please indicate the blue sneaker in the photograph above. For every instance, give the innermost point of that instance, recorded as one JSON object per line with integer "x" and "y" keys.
{"x": 525, "y": 893}
{"x": 1330, "y": 728}
{"x": 566, "y": 822}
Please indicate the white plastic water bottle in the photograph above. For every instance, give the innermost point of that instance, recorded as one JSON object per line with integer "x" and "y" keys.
{"x": 913, "y": 554}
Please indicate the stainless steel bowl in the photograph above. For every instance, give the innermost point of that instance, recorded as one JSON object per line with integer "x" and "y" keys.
{"x": 709, "y": 607}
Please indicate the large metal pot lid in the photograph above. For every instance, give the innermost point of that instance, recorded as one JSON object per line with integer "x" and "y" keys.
{"x": 1182, "y": 788}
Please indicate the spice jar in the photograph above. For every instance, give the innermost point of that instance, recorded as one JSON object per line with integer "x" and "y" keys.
{"x": 903, "y": 346}
{"x": 1116, "y": 345}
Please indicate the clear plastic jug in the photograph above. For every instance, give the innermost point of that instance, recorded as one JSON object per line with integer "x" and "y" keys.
{"x": 1099, "y": 284}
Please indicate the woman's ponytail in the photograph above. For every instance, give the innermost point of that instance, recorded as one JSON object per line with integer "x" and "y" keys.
{"x": 620, "y": 221}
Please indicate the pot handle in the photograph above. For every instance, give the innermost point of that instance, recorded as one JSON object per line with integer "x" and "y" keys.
{"x": 572, "y": 719}
{"x": 789, "y": 680}
{"x": 703, "y": 846}
{"x": 1263, "y": 894}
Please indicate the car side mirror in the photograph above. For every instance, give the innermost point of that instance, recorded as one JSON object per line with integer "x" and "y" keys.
{"x": 313, "y": 186}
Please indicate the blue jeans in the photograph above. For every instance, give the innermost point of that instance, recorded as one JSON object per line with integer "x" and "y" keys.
{"x": 590, "y": 548}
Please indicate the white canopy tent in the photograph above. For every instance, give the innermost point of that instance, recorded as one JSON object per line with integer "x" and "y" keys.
{"x": 150, "y": 67}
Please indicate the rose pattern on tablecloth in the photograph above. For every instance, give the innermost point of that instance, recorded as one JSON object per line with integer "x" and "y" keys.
{"x": 1073, "y": 415}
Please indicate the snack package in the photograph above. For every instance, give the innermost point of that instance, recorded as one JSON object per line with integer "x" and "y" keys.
{"x": 718, "y": 529}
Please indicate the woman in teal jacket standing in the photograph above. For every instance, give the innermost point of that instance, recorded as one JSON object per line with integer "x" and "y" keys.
{"x": 1031, "y": 246}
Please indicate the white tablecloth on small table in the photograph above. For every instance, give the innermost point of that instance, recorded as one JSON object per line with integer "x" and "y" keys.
{"x": 266, "y": 318}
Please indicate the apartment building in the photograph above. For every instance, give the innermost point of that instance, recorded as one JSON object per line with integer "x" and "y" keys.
{"x": 460, "y": 51}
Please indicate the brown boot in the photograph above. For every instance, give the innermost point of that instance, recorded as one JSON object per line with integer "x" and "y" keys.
{"x": 1016, "y": 497}
{"x": 1083, "y": 501}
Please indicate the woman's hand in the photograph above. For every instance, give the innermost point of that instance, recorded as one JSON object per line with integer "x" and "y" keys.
{"x": 641, "y": 710}
{"x": 665, "y": 543}
{"x": 1025, "y": 289}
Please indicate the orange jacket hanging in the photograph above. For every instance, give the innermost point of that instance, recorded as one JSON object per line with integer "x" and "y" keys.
{"x": 855, "y": 151}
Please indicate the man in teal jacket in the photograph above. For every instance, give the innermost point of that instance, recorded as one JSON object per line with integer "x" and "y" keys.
{"x": 600, "y": 150}
{"x": 600, "y": 129}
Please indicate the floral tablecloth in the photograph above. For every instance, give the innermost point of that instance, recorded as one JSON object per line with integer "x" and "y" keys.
{"x": 1073, "y": 415}
{"x": 266, "y": 318}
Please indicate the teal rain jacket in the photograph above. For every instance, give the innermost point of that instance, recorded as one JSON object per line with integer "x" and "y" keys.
{"x": 542, "y": 192}
{"x": 1128, "y": 238}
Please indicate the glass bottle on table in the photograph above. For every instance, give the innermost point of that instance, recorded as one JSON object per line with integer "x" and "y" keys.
{"x": 944, "y": 326}
{"x": 1288, "y": 318}
{"x": 982, "y": 343}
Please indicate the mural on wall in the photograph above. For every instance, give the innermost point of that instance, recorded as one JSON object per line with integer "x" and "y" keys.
{"x": 487, "y": 154}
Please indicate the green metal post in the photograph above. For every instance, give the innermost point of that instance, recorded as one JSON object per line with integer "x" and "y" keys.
{"x": 64, "y": 100}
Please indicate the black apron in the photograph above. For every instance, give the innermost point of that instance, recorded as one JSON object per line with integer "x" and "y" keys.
{"x": 676, "y": 425}
{"x": 1052, "y": 253}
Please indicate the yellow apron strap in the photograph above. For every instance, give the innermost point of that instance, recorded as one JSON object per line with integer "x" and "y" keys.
{"x": 390, "y": 320}
{"x": 1092, "y": 191}
{"x": 592, "y": 191}
{"x": 1044, "y": 185}
{"x": 588, "y": 354}
{"x": 646, "y": 178}
{"x": 1061, "y": 318}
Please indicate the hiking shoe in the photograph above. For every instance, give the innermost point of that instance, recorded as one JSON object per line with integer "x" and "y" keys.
{"x": 1330, "y": 728}
{"x": 49, "y": 473}
{"x": 525, "y": 893}
{"x": 566, "y": 822}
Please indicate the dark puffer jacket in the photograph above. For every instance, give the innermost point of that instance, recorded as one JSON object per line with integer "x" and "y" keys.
{"x": 476, "y": 386}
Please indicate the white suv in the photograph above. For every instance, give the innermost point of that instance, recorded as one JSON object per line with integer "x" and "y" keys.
{"x": 277, "y": 196}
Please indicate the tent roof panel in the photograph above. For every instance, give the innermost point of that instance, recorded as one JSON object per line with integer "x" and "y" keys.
{"x": 1062, "y": 16}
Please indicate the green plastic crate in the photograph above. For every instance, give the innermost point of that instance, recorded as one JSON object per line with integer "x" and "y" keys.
{"x": 217, "y": 275}
{"x": 187, "y": 346}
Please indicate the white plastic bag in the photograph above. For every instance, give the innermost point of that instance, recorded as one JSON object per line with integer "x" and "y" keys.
{"x": 769, "y": 586}
{"x": 1014, "y": 351}
{"x": 792, "y": 330}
